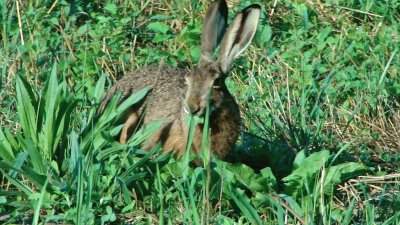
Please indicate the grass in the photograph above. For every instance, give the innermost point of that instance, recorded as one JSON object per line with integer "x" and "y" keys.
{"x": 318, "y": 89}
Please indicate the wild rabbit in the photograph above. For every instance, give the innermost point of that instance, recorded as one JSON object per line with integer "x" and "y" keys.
{"x": 176, "y": 93}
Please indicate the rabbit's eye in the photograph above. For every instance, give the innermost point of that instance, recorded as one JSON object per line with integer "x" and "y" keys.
{"x": 217, "y": 83}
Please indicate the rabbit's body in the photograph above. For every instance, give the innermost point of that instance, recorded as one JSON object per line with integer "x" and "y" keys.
{"x": 176, "y": 93}
{"x": 167, "y": 85}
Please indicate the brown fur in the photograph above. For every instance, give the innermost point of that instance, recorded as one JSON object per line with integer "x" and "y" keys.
{"x": 176, "y": 93}
{"x": 165, "y": 102}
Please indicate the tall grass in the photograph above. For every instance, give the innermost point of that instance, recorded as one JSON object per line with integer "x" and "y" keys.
{"x": 318, "y": 90}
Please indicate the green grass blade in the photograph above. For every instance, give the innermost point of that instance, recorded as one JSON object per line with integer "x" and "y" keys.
{"x": 131, "y": 100}
{"x": 244, "y": 205}
{"x": 160, "y": 194}
{"x": 192, "y": 123}
{"x": 77, "y": 168}
{"x": 18, "y": 163}
{"x": 18, "y": 167}
{"x": 33, "y": 176}
{"x": 393, "y": 220}
{"x": 125, "y": 192}
{"x": 138, "y": 176}
{"x": 80, "y": 192}
{"x": 140, "y": 163}
{"x": 39, "y": 203}
{"x": 383, "y": 75}
{"x": 13, "y": 179}
{"x": 35, "y": 155}
{"x": 349, "y": 212}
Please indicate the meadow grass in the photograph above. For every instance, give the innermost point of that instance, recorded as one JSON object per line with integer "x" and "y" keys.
{"x": 318, "y": 90}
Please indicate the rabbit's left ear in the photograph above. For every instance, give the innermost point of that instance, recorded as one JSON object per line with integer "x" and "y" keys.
{"x": 214, "y": 25}
{"x": 239, "y": 35}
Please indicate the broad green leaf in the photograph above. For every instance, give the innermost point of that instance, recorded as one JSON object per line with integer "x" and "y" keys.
{"x": 160, "y": 38}
{"x": 306, "y": 173}
{"x": 293, "y": 204}
{"x": 83, "y": 29}
{"x": 3, "y": 200}
{"x": 52, "y": 96}
{"x": 26, "y": 104}
{"x": 263, "y": 35}
{"x": 322, "y": 38}
{"x": 6, "y": 151}
{"x": 340, "y": 173}
{"x": 99, "y": 89}
{"x": 63, "y": 120}
{"x": 111, "y": 8}
{"x": 254, "y": 182}
{"x": 18, "y": 163}
{"x": 173, "y": 170}
{"x": 267, "y": 173}
{"x": 125, "y": 192}
{"x": 195, "y": 54}
{"x": 12, "y": 140}
{"x": 77, "y": 164}
{"x": 300, "y": 156}
{"x": 76, "y": 154}
{"x": 158, "y": 27}
{"x": 49, "y": 132}
{"x": 36, "y": 157}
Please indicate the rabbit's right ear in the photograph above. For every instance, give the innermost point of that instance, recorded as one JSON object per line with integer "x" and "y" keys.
{"x": 239, "y": 35}
{"x": 214, "y": 25}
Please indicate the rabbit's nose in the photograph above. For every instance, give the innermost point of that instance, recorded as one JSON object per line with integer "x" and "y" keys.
{"x": 193, "y": 107}
{"x": 194, "y": 110}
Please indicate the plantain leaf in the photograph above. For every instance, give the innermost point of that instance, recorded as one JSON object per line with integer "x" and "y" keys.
{"x": 99, "y": 89}
{"x": 36, "y": 158}
{"x": 26, "y": 107}
{"x": 339, "y": 173}
{"x": 6, "y": 152}
{"x": 306, "y": 172}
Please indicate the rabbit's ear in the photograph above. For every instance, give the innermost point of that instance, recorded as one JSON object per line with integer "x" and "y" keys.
{"x": 214, "y": 25}
{"x": 239, "y": 35}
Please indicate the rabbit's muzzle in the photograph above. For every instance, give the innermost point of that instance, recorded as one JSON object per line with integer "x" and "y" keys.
{"x": 195, "y": 107}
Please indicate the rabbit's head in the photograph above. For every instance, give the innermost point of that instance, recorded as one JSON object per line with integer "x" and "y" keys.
{"x": 207, "y": 82}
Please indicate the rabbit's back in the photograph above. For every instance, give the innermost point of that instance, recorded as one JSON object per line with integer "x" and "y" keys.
{"x": 167, "y": 89}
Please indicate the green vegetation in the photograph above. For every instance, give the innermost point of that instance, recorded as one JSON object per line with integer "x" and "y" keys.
{"x": 319, "y": 91}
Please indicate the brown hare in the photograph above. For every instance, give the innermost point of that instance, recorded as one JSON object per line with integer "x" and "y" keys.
{"x": 177, "y": 93}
